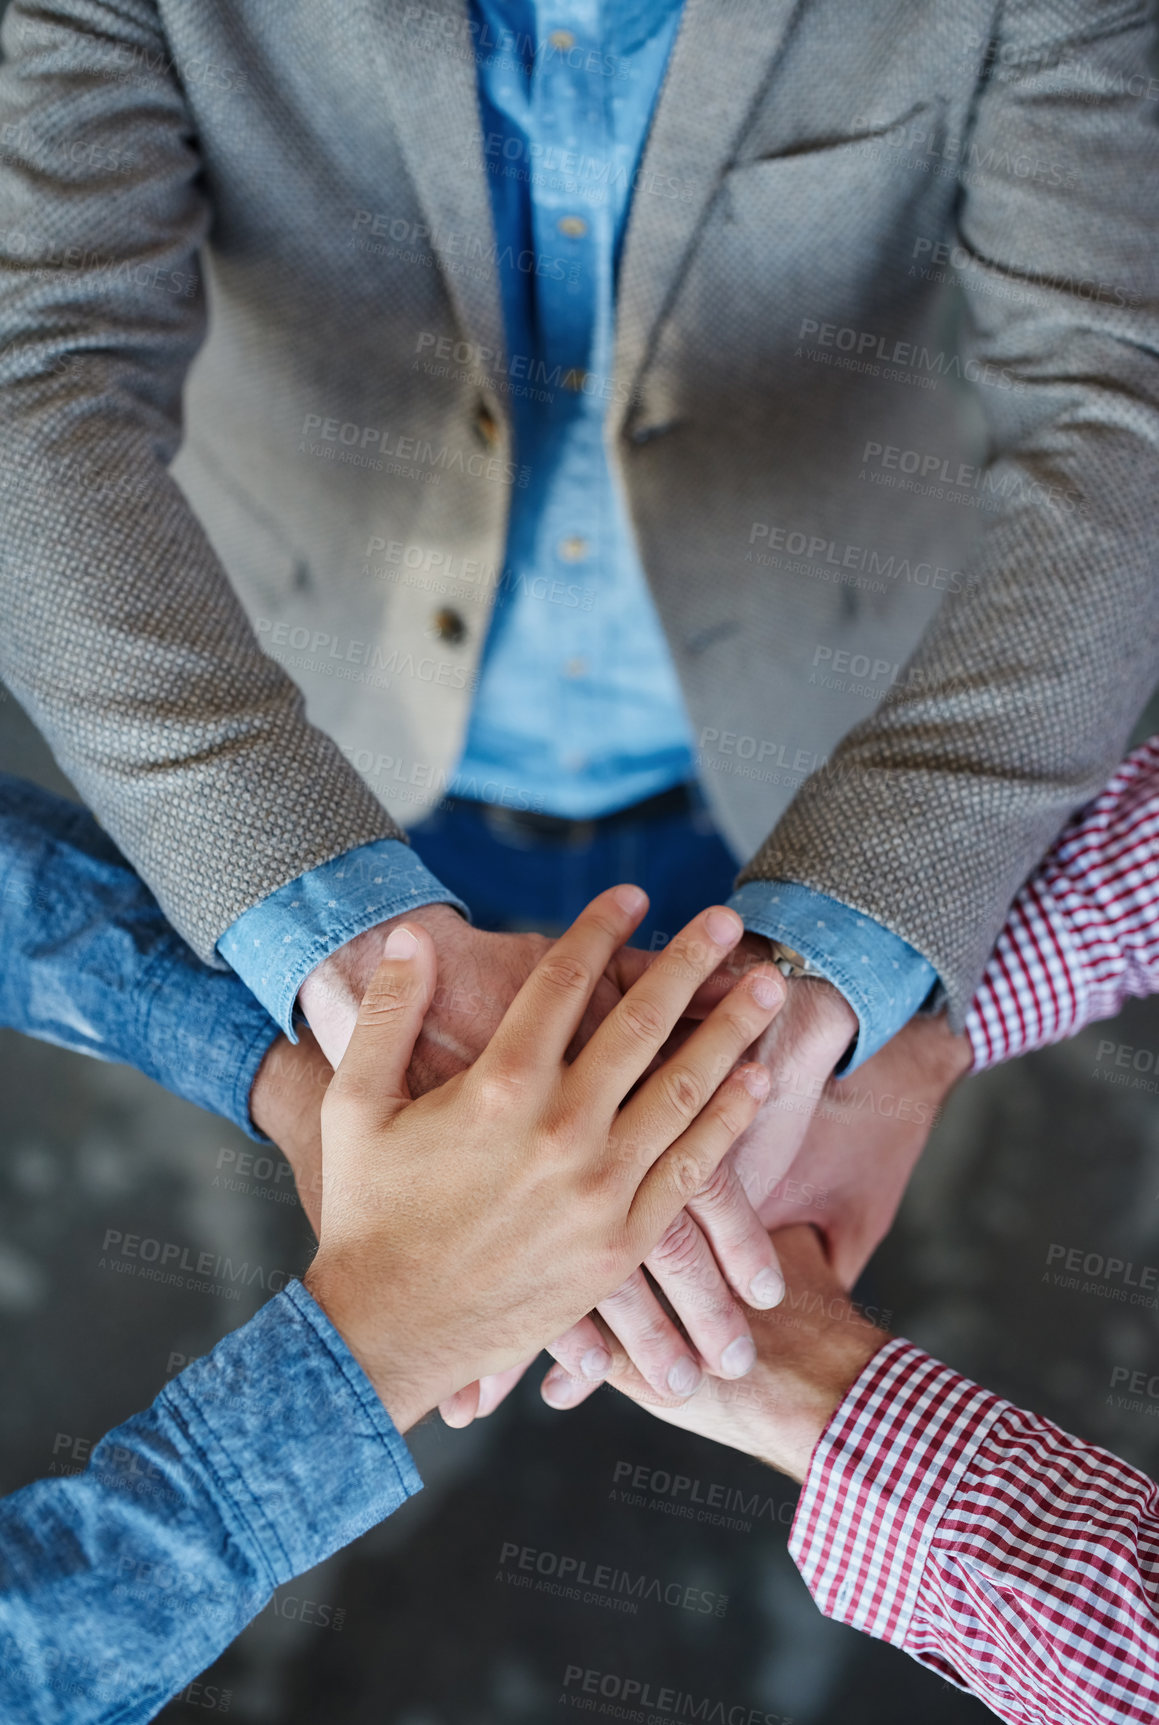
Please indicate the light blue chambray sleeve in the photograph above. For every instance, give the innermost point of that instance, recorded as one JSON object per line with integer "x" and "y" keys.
{"x": 121, "y": 1584}
{"x": 881, "y": 976}
{"x": 275, "y": 945}
{"x": 91, "y": 963}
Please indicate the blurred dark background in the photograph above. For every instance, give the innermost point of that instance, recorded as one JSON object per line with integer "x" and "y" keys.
{"x": 414, "y": 1625}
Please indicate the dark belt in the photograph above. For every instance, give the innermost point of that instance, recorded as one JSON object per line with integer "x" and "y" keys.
{"x": 522, "y": 826}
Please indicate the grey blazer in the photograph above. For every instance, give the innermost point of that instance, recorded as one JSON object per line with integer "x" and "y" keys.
{"x": 885, "y": 410}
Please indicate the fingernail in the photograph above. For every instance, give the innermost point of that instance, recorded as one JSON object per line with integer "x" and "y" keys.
{"x": 683, "y": 1377}
{"x": 767, "y": 991}
{"x": 723, "y": 926}
{"x": 766, "y": 1289}
{"x": 739, "y": 1357}
{"x": 756, "y": 1081}
{"x": 630, "y": 899}
{"x": 596, "y": 1363}
{"x": 559, "y": 1389}
{"x": 401, "y": 942}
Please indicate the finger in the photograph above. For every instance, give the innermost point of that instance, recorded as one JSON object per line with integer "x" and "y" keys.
{"x": 561, "y": 1390}
{"x": 544, "y": 1016}
{"x": 650, "y": 1338}
{"x": 460, "y": 1409}
{"x": 674, "y": 1095}
{"x": 583, "y": 1362}
{"x": 389, "y": 1020}
{"x": 683, "y": 1267}
{"x": 479, "y": 1399}
{"x": 678, "y": 1175}
{"x": 739, "y": 1239}
{"x": 638, "y": 1026}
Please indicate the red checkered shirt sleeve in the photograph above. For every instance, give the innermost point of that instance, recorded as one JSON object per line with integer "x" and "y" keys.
{"x": 1012, "y": 1559}
{"x": 1083, "y": 933}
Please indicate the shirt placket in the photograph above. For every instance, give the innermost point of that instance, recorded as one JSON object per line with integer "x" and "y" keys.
{"x": 572, "y": 227}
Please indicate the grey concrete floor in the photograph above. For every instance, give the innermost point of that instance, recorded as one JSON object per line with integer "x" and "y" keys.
{"x": 413, "y": 1625}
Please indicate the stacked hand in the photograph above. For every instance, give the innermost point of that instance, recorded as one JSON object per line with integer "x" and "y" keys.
{"x": 460, "y": 1231}
{"x": 835, "y": 1153}
{"x": 810, "y": 1352}
{"x": 715, "y": 1260}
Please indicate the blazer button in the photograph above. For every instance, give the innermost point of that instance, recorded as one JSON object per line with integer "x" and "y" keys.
{"x": 447, "y": 625}
{"x": 486, "y": 427}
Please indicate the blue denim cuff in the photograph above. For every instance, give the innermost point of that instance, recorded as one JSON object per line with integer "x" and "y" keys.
{"x": 305, "y": 1455}
{"x": 205, "y": 1034}
{"x": 881, "y": 976}
{"x": 275, "y": 945}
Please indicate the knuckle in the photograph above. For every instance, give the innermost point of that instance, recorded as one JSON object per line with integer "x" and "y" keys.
{"x": 685, "y": 1173}
{"x": 497, "y": 1089}
{"x": 680, "y": 1251}
{"x": 684, "y": 1092}
{"x": 565, "y": 974}
{"x": 643, "y": 1021}
{"x": 720, "y": 1191}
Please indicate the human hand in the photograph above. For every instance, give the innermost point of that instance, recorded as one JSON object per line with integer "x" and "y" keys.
{"x": 862, "y": 1140}
{"x": 707, "y": 1266}
{"x": 286, "y": 1104}
{"x": 479, "y": 975}
{"x": 461, "y": 1231}
{"x": 810, "y": 1352}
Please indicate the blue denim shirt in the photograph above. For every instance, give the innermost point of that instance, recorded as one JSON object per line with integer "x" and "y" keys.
{"x": 578, "y": 701}
{"x": 120, "y": 1584}
{"x": 91, "y": 963}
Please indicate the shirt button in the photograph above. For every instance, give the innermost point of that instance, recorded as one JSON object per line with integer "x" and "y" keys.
{"x": 573, "y": 550}
{"x": 447, "y": 625}
{"x": 573, "y": 226}
{"x": 486, "y": 426}
{"x": 575, "y": 378}
{"x": 561, "y": 40}
{"x": 576, "y": 667}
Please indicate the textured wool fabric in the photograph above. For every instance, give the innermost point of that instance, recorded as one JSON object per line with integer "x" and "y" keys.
{"x": 819, "y": 185}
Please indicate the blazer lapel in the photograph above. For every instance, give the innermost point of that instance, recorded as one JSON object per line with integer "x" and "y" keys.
{"x": 721, "y": 59}
{"x": 431, "y": 91}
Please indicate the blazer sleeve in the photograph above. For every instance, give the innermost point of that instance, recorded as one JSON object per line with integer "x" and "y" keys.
{"x": 1020, "y": 699}
{"x": 119, "y": 631}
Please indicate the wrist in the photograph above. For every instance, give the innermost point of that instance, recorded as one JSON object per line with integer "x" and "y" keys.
{"x": 286, "y": 1104}
{"x": 332, "y": 993}
{"x": 392, "y": 1361}
{"x": 796, "y": 1393}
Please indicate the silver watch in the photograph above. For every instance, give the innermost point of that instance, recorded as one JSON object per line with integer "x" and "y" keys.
{"x": 791, "y": 963}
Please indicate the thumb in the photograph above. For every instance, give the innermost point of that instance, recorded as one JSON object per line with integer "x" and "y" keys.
{"x": 389, "y": 1020}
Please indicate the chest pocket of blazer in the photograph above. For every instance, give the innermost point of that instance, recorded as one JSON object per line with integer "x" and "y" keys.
{"x": 825, "y": 230}
{"x": 848, "y": 196}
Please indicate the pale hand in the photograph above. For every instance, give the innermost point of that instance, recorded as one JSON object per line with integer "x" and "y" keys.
{"x": 863, "y": 1137}
{"x": 810, "y": 1353}
{"x": 479, "y": 975}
